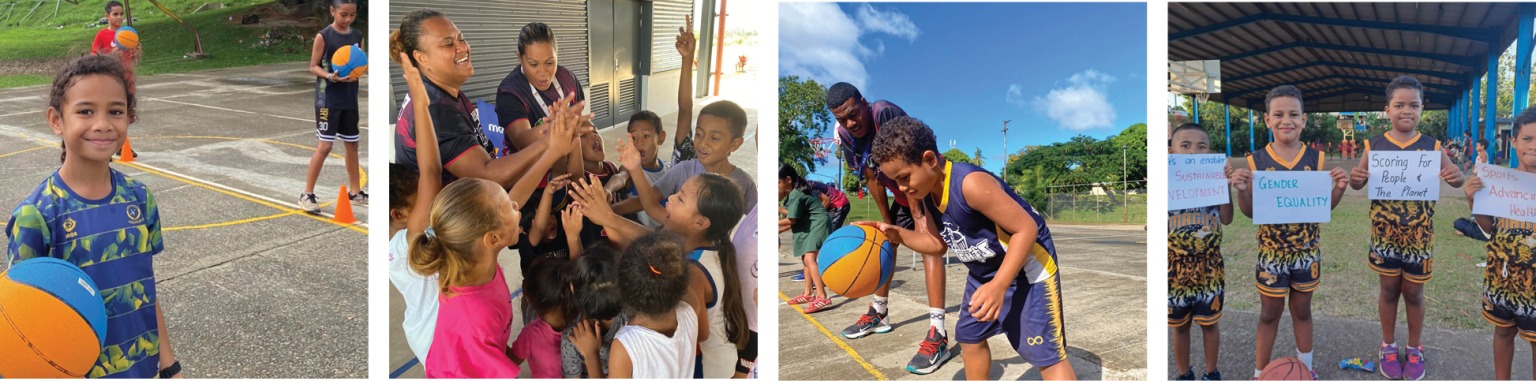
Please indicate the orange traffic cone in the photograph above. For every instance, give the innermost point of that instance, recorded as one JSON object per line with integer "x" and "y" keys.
{"x": 344, "y": 208}
{"x": 126, "y": 153}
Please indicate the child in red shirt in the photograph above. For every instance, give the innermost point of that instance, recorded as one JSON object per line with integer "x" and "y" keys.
{"x": 104, "y": 38}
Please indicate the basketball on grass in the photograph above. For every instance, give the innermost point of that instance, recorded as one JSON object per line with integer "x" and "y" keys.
{"x": 856, "y": 260}
{"x": 54, "y": 320}
{"x": 1286, "y": 368}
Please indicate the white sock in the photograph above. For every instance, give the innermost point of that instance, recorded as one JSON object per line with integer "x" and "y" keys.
{"x": 936, "y": 320}
{"x": 1257, "y": 372}
{"x": 879, "y": 304}
{"x": 1305, "y": 357}
{"x": 1391, "y": 344}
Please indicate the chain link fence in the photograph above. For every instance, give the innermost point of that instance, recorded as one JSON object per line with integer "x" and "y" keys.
{"x": 1118, "y": 202}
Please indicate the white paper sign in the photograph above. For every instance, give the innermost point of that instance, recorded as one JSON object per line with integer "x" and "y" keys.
{"x": 1197, "y": 180}
{"x": 1404, "y": 175}
{"x": 1506, "y": 193}
{"x": 1289, "y": 197}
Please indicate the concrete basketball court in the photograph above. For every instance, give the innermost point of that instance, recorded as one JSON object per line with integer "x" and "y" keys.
{"x": 404, "y": 364}
{"x": 1104, "y": 277}
{"x": 251, "y": 286}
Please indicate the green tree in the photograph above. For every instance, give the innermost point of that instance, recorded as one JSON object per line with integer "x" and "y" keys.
{"x": 977, "y": 159}
{"x": 803, "y": 115}
{"x": 955, "y": 154}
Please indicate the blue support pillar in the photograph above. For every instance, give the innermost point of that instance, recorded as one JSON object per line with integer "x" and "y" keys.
{"x": 1474, "y": 110}
{"x": 1228, "y": 111}
{"x": 1523, "y": 45}
{"x": 1251, "y": 148}
{"x": 1490, "y": 109}
{"x": 1196, "y": 107}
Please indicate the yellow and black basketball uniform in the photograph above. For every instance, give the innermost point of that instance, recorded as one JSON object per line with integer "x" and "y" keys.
{"x": 1402, "y": 232}
{"x": 1509, "y": 294}
{"x": 1290, "y": 257}
{"x": 1196, "y": 280}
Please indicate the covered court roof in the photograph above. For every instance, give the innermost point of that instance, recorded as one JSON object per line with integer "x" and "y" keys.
{"x": 1341, "y": 55}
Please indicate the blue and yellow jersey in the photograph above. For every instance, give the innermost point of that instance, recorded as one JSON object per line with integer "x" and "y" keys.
{"x": 1400, "y": 228}
{"x": 978, "y": 241}
{"x": 1287, "y": 244}
{"x": 113, "y": 239}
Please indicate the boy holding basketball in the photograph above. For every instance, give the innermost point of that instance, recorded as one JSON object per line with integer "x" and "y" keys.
{"x": 103, "y": 43}
{"x": 1402, "y": 232}
{"x": 1196, "y": 280}
{"x": 1290, "y": 257}
{"x": 1012, "y": 287}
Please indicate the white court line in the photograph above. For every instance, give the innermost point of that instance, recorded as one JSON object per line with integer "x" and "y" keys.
{"x": 360, "y": 125}
{"x": 364, "y": 225}
{"x": 1099, "y": 237}
{"x": 1133, "y": 277}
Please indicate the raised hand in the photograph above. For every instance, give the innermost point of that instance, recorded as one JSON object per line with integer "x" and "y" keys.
{"x": 628, "y": 156}
{"x": 570, "y": 219}
{"x": 685, "y": 41}
{"x": 593, "y": 198}
{"x": 410, "y": 72}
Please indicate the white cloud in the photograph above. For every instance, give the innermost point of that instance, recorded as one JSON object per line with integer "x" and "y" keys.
{"x": 1081, "y": 105}
{"x": 821, "y": 42}
{"x": 893, "y": 23}
{"x": 1016, "y": 95}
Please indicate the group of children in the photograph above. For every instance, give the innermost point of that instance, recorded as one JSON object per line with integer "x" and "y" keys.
{"x": 624, "y": 275}
{"x": 1290, "y": 255}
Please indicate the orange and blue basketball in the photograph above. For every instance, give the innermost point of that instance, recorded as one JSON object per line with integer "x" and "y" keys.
{"x": 350, "y": 61}
{"x": 126, "y": 38}
{"x": 855, "y": 260}
{"x": 54, "y": 320}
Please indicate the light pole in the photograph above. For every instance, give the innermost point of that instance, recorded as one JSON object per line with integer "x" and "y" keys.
{"x": 1005, "y": 146}
{"x": 1125, "y": 191}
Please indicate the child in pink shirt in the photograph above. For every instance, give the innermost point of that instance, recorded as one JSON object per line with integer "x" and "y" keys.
{"x": 539, "y": 341}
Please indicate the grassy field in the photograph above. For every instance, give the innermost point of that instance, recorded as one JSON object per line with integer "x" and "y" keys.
{"x": 36, "y": 47}
{"x": 1349, "y": 287}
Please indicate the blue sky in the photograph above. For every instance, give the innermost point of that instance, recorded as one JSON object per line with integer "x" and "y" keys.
{"x": 1055, "y": 70}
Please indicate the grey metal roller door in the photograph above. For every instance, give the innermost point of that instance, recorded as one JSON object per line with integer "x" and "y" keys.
{"x": 491, "y": 28}
{"x": 666, "y": 17}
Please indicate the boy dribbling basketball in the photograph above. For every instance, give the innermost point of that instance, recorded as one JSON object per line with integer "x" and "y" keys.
{"x": 1012, "y": 287}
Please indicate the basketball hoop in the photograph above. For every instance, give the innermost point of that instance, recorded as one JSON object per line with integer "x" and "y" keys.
{"x": 1202, "y": 97}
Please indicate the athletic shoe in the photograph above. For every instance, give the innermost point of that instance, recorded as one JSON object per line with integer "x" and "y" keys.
{"x": 818, "y": 305}
{"x": 801, "y": 299}
{"x": 1390, "y": 367}
{"x": 931, "y": 353}
{"x": 360, "y": 198}
{"x": 308, "y": 203}
{"x": 1213, "y": 375}
{"x": 869, "y": 322}
{"x": 798, "y": 277}
{"x": 1414, "y": 369}
{"x": 1190, "y": 375}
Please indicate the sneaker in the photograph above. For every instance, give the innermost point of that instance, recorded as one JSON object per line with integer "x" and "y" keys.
{"x": 308, "y": 203}
{"x": 360, "y": 198}
{"x": 818, "y": 305}
{"x": 869, "y": 322}
{"x": 1190, "y": 375}
{"x": 931, "y": 353}
{"x": 1390, "y": 367}
{"x": 801, "y": 299}
{"x": 1213, "y": 375}
{"x": 1414, "y": 369}
{"x": 798, "y": 277}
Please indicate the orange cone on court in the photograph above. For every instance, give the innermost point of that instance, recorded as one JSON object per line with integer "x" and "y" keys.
{"x": 126, "y": 153}
{"x": 344, "y": 208}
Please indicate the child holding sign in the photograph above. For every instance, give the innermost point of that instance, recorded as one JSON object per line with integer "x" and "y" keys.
{"x": 1402, "y": 226}
{"x": 1290, "y": 257}
{"x": 1507, "y": 289}
{"x": 1196, "y": 284}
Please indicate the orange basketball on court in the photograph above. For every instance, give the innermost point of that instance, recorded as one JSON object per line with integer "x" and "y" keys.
{"x": 1286, "y": 368}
